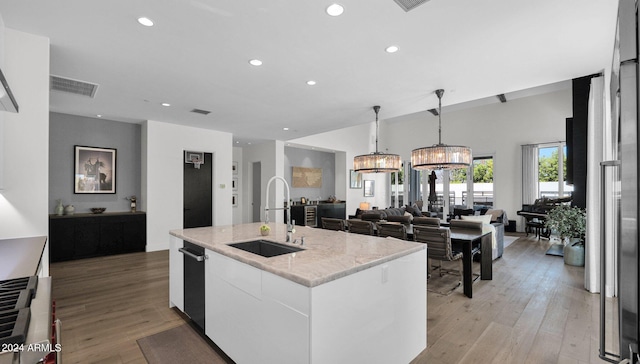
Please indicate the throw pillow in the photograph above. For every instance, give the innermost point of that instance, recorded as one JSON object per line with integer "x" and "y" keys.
{"x": 495, "y": 214}
{"x": 486, "y": 219}
{"x": 407, "y": 213}
{"x": 416, "y": 210}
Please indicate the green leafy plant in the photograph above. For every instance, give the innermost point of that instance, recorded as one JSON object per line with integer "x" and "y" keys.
{"x": 567, "y": 222}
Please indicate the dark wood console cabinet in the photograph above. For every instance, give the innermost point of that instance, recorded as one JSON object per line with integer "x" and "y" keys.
{"x": 91, "y": 235}
{"x": 311, "y": 215}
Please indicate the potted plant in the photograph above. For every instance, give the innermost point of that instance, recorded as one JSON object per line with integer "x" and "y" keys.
{"x": 570, "y": 224}
{"x": 265, "y": 229}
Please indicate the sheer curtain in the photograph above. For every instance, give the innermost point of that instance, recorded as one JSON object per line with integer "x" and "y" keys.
{"x": 529, "y": 173}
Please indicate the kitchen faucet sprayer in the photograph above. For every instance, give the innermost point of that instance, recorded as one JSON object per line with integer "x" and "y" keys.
{"x": 287, "y": 208}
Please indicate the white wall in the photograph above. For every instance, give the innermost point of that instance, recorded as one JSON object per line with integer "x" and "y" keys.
{"x": 24, "y": 146}
{"x": 163, "y": 147}
{"x": 350, "y": 142}
{"x": 271, "y": 157}
{"x": 237, "y": 211}
{"x": 495, "y": 129}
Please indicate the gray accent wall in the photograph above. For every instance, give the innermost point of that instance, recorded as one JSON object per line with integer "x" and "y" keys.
{"x": 297, "y": 157}
{"x": 66, "y": 131}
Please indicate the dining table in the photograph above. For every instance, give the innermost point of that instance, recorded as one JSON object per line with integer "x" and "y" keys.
{"x": 465, "y": 240}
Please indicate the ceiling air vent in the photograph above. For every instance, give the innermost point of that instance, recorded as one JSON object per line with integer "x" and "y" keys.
{"x": 199, "y": 111}
{"x": 407, "y": 5}
{"x": 73, "y": 86}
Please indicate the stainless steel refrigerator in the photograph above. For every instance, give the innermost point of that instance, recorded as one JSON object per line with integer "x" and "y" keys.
{"x": 627, "y": 249}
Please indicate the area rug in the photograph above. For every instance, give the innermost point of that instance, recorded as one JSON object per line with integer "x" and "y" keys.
{"x": 556, "y": 249}
{"x": 181, "y": 344}
{"x": 508, "y": 240}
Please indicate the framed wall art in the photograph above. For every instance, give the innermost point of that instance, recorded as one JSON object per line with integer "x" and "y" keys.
{"x": 355, "y": 180}
{"x": 369, "y": 188}
{"x": 306, "y": 177}
{"x": 94, "y": 170}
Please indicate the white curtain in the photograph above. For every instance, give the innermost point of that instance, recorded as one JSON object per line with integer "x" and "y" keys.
{"x": 529, "y": 173}
{"x": 595, "y": 155}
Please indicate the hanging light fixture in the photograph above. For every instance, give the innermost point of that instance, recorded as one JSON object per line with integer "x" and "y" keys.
{"x": 377, "y": 162}
{"x": 440, "y": 156}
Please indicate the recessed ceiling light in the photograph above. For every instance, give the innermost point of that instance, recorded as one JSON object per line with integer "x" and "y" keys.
{"x": 285, "y": 128}
{"x": 237, "y": 142}
{"x": 392, "y": 49}
{"x": 311, "y": 83}
{"x": 335, "y": 9}
{"x": 165, "y": 104}
{"x": 145, "y": 21}
{"x": 99, "y": 115}
{"x": 255, "y": 62}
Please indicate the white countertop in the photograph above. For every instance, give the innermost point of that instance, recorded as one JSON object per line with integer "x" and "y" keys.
{"x": 328, "y": 255}
{"x": 20, "y": 257}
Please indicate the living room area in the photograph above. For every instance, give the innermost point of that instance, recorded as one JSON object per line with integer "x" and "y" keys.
{"x": 490, "y": 128}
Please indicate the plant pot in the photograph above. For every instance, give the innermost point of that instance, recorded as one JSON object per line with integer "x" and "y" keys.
{"x": 574, "y": 255}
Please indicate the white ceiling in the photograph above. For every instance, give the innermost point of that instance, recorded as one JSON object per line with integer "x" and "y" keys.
{"x": 196, "y": 56}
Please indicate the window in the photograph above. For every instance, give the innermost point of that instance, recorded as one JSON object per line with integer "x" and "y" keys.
{"x": 552, "y": 161}
{"x": 482, "y": 190}
{"x": 483, "y": 181}
{"x": 397, "y": 188}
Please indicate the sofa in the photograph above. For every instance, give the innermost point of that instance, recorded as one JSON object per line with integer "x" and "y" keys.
{"x": 494, "y": 221}
{"x": 391, "y": 214}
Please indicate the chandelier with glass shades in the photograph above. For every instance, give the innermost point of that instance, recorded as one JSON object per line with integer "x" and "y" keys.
{"x": 377, "y": 162}
{"x": 440, "y": 156}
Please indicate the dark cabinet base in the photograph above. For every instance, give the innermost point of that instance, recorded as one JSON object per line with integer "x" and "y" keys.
{"x": 92, "y": 235}
{"x": 311, "y": 215}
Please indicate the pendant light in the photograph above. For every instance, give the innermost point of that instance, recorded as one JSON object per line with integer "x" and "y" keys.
{"x": 377, "y": 162}
{"x": 440, "y": 156}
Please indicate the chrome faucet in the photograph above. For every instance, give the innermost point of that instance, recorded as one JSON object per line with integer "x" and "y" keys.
{"x": 288, "y": 208}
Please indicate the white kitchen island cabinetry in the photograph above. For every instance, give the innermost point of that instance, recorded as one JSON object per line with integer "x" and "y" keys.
{"x": 176, "y": 273}
{"x": 345, "y": 299}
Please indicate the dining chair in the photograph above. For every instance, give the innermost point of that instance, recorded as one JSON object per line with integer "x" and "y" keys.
{"x": 424, "y": 220}
{"x": 473, "y": 227}
{"x": 330, "y": 223}
{"x": 438, "y": 240}
{"x": 361, "y": 227}
{"x": 395, "y": 230}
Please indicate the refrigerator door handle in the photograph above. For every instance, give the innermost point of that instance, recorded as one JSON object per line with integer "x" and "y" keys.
{"x": 603, "y": 354}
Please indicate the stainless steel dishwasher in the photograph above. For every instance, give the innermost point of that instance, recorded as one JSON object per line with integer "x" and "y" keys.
{"x": 194, "y": 307}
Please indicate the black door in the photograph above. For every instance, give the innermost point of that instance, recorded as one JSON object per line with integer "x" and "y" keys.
{"x": 198, "y": 194}
{"x": 197, "y": 213}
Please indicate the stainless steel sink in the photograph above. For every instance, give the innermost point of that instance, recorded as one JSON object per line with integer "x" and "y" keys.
{"x": 265, "y": 248}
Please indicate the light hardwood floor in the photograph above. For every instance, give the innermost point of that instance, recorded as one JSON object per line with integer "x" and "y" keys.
{"x": 535, "y": 310}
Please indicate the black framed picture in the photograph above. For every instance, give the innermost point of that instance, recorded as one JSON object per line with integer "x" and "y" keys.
{"x": 94, "y": 170}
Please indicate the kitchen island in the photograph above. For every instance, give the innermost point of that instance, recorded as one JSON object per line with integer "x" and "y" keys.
{"x": 344, "y": 298}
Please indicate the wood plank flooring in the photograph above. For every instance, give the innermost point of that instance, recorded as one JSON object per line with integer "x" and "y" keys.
{"x": 535, "y": 310}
